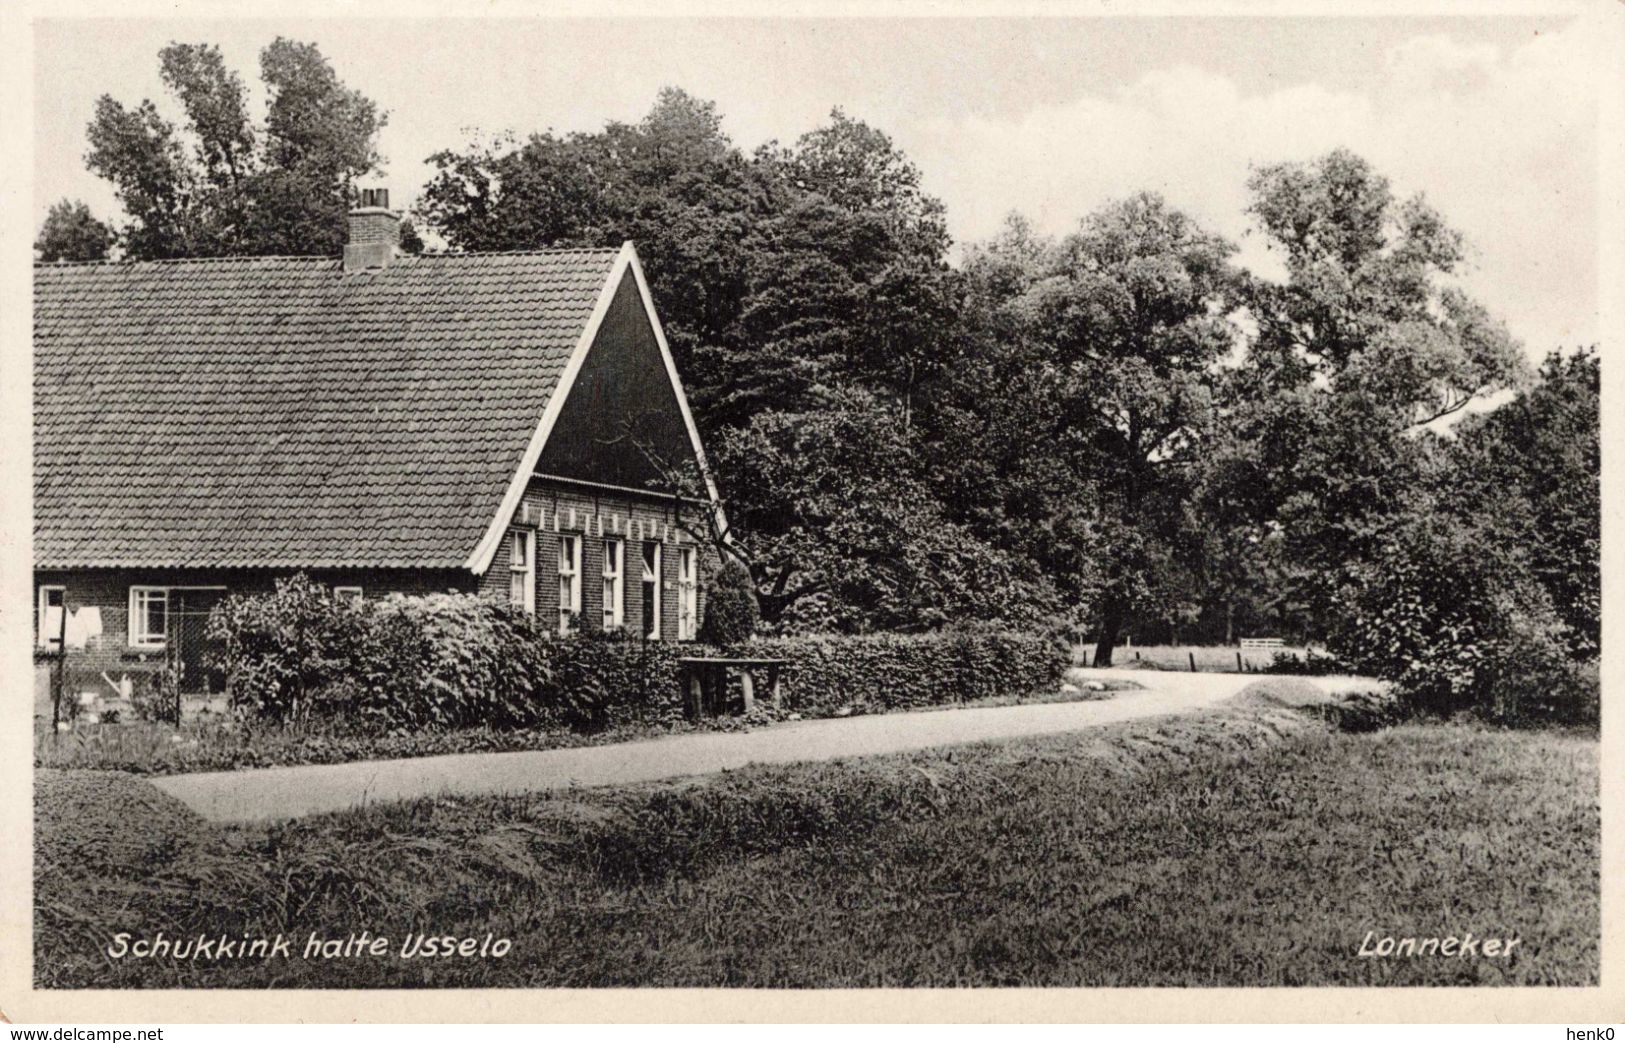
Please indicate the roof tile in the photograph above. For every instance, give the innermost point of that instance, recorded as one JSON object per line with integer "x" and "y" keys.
{"x": 277, "y": 412}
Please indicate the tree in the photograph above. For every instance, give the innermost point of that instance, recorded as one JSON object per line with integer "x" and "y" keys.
{"x": 805, "y": 293}
{"x": 1360, "y": 349}
{"x": 71, "y": 233}
{"x": 1533, "y": 468}
{"x": 843, "y": 533}
{"x": 999, "y": 438}
{"x": 730, "y": 607}
{"x": 1485, "y": 593}
{"x": 1118, "y": 330}
{"x": 219, "y": 185}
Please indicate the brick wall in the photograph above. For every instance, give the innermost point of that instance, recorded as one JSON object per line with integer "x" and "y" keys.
{"x": 552, "y": 510}
{"x": 109, "y": 591}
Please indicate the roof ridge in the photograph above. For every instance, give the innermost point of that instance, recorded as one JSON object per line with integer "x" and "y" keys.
{"x": 108, "y": 262}
{"x": 546, "y": 251}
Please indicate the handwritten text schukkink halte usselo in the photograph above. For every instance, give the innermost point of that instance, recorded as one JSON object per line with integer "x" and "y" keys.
{"x": 414, "y": 946}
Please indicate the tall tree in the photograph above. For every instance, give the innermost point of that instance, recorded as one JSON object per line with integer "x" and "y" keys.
{"x": 1119, "y": 330}
{"x": 72, "y": 233}
{"x": 805, "y": 292}
{"x": 673, "y": 183}
{"x": 1363, "y": 345}
{"x": 219, "y": 185}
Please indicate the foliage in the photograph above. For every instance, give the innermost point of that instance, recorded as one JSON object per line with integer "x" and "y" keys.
{"x": 1309, "y": 664}
{"x": 283, "y": 649}
{"x": 1115, "y": 331}
{"x": 218, "y": 185}
{"x": 449, "y": 661}
{"x": 159, "y": 697}
{"x": 1451, "y": 621}
{"x": 72, "y": 233}
{"x": 1534, "y": 467}
{"x": 730, "y": 607}
{"x": 844, "y": 534}
{"x": 1484, "y": 594}
{"x": 877, "y": 673}
{"x": 1367, "y": 341}
{"x": 439, "y": 662}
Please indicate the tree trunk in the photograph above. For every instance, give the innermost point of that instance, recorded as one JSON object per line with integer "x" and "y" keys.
{"x": 1112, "y": 619}
{"x": 1229, "y": 622}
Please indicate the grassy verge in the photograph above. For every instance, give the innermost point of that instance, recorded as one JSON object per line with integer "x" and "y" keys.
{"x": 222, "y": 743}
{"x": 1254, "y": 846}
{"x": 219, "y": 742}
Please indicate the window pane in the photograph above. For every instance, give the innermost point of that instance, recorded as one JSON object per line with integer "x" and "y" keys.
{"x": 148, "y": 626}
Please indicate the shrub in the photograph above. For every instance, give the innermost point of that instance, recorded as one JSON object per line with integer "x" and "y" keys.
{"x": 447, "y": 661}
{"x": 730, "y": 606}
{"x": 156, "y": 697}
{"x": 1310, "y": 664}
{"x": 1457, "y": 628}
{"x": 436, "y": 662}
{"x": 829, "y": 674}
{"x": 281, "y": 649}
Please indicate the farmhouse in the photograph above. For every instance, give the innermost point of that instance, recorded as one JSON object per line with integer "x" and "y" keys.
{"x": 510, "y": 424}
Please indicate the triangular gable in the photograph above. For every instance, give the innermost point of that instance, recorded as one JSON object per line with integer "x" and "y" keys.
{"x": 619, "y": 415}
{"x": 621, "y": 423}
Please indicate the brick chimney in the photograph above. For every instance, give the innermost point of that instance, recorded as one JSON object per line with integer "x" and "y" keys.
{"x": 375, "y": 231}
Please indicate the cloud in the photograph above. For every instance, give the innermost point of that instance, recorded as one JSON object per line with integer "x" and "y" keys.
{"x": 1501, "y": 140}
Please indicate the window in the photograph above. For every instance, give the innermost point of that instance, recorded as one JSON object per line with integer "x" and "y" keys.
{"x": 149, "y": 616}
{"x": 688, "y": 594}
{"x": 349, "y": 594}
{"x": 614, "y": 612}
{"x": 569, "y": 582}
{"x": 651, "y": 590}
{"x": 522, "y": 571}
{"x": 48, "y": 614}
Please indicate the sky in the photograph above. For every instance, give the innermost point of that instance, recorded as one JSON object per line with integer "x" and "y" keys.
{"x": 1493, "y": 119}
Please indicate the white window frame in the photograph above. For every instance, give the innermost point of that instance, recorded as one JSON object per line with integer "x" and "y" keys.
{"x": 614, "y": 583}
{"x": 354, "y": 595}
{"x": 688, "y": 593}
{"x": 525, "y": 573}
{"x": 145, "y": 595}
{"x": 569, "y": 581}
{"x": 651, "y": 632}
{"x": 49, "y": 635}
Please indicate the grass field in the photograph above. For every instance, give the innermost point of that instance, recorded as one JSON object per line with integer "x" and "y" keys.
{"x": 1251, "y": 846}
{"x": 1209, "y": 658}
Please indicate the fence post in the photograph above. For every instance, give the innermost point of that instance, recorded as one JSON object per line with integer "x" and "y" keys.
{"x": 1193, "y": 661}
{"x": 61, "y": 679}
{"x": 1240, "y": 669}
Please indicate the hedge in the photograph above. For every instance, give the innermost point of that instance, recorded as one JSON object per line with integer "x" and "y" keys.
{"x": 436, "y": 662}
{"x": 829, "y": 674}
{"x": 456, "y": 660}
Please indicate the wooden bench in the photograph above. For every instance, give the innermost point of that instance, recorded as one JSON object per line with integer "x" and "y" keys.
{"x": 705, "y": 680}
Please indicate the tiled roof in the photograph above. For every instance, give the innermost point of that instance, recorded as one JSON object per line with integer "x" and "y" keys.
{"x": 278, "y": 412}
